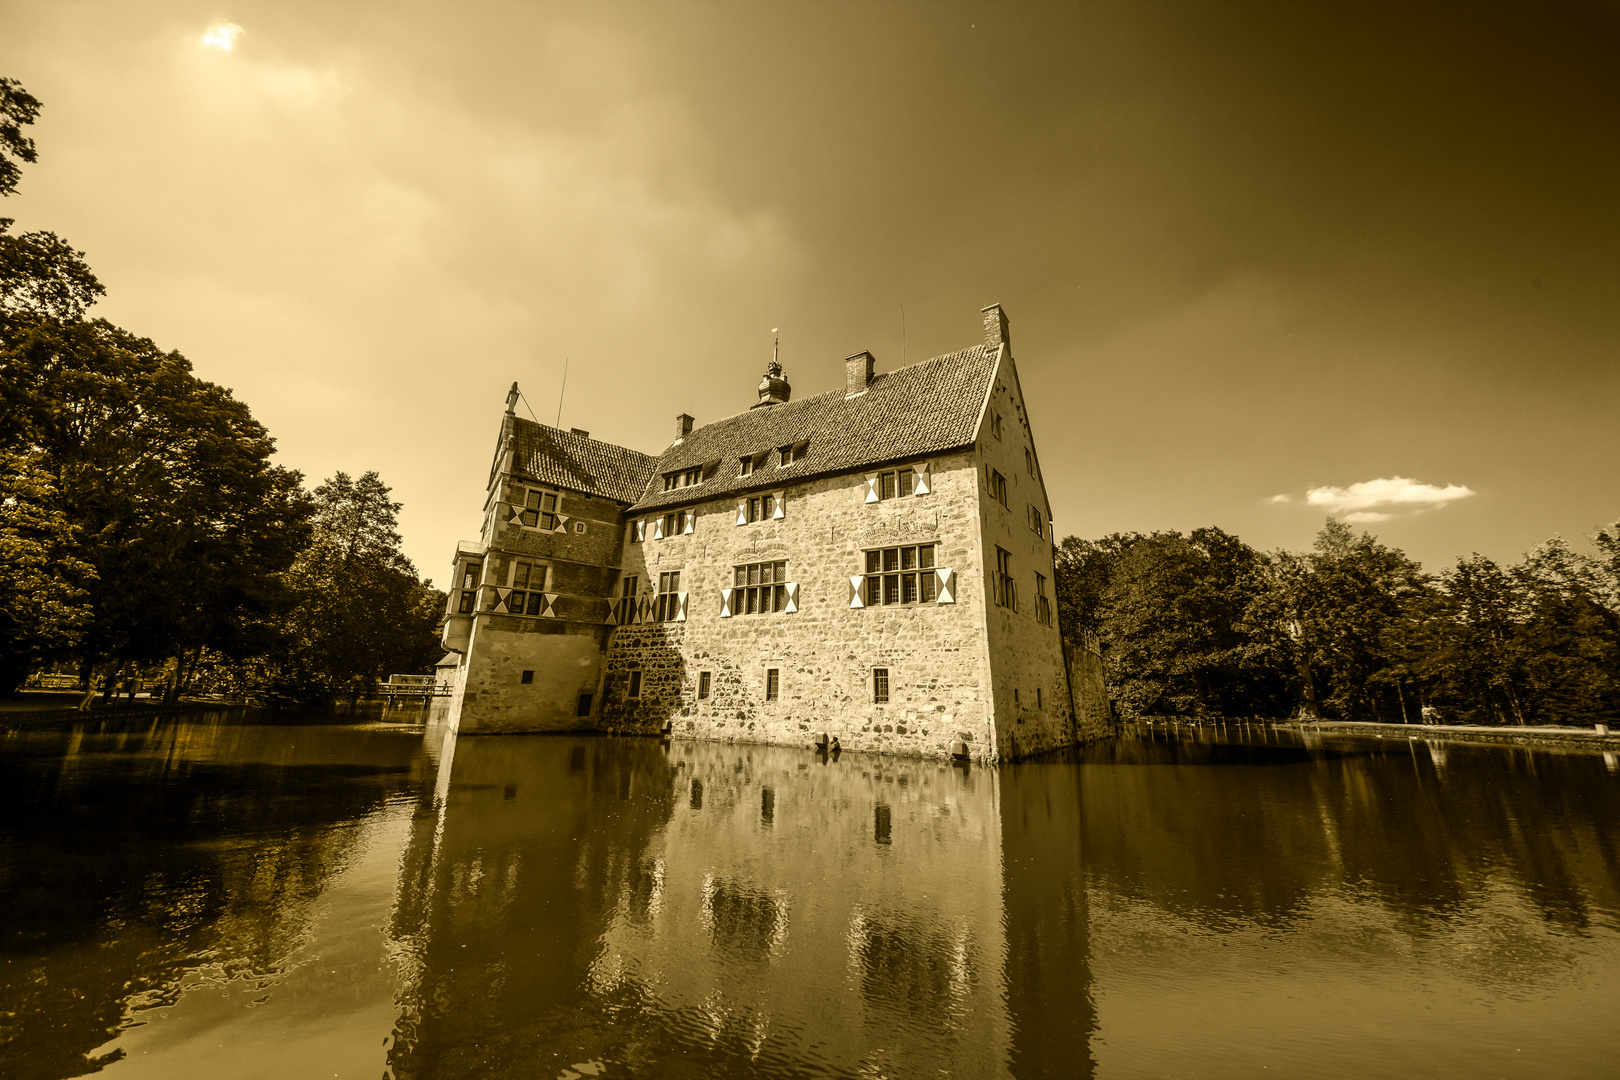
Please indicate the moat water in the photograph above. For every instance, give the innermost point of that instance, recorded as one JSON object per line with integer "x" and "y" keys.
{"x": 225, "y": 896}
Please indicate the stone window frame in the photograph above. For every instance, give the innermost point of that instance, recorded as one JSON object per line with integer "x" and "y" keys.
{"x": 872, "y": 588}
{"x": 887, "y": 484}
{"x": 626, "y": 607}
{"x": 773, "y": 683}
{"x": 525, "y": 597}
{"x": 705, "y": 687}
{"x": 784, "y": 594}
{"x": 1006, "y": 588}
{"x": 765, "y": 506}
{"x": 633, "y": 690}
{"x": 472, "y": 575}
{"x": 1043, "y": 606}
{"x": 669, "y": 603}
{"x": 534, "y": 505}
{"x": 880, "y": 685}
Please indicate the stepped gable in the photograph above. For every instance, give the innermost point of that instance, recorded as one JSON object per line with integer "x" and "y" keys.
{"x": 577, "y": 462}
{"x": 926, "y": 408}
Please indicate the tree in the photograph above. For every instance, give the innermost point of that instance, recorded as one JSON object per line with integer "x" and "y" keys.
{"x": 18, "y": 109}
{"x": 361, "y": 611}
{"x": 44, "y": 605}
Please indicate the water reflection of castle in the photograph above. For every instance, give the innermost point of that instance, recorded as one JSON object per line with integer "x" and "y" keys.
{"x": 755, "y": 910}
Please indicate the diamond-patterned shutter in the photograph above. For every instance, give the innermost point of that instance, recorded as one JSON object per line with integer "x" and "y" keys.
{"x": 855, "y": 584}
{"x": 781, "y": 506}
{"x": 549, "y": 610}
{"x": 658, "y": 528}
{"x": 562, "y": 523}
{"x": 691, "y": 520}
{"x": 925, "y": 478}
{"x": 946, "y": 593}
{"x": 871, "y": 487}
{"x": 725, "y": 603}
{"x": 640, "y": 528}
{"x": 792, "y": 596}
{"x": 500, "y": 597}
{"x": 513, "y": 511}
{"x": 680, "y": 609}
{"x": 742, "y": 511}
{"x": 642, "y": 607}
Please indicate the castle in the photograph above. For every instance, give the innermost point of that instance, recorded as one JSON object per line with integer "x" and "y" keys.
{"x": 873, "y": 565}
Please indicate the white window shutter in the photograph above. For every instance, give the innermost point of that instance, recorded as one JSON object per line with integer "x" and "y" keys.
{"x": 871, "y": 487}
{"x": 551, "y": 599}
{"x": 691, "y": 519}
{"x": 925, "y": 478}
{"x": 562, "y": 523}
{"x": 513, "y": 510}
{"x": 742, "y": 511}
{"x": 680, "y": 610}
{"x": 946, "y": 593}
{"x": 781, "y": 504}
{"x": 725, "y": 603}
{"x": 641, "y": 529}
{"x": 855, "y": 599}
{"x": 658, "y": 528}
{"x": 792, "y": 596}
{"x": 641, "y": 610}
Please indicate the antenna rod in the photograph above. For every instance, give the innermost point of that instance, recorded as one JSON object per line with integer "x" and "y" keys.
{"x": 560, "y": 393}
{"x": 902, "y": 333}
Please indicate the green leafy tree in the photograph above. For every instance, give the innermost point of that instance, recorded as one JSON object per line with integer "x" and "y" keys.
{"x": 361, "y": 613}
{"x": 44, "y": 604}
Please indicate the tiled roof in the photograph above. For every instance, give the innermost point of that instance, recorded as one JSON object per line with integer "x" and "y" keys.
{"x": 578, "y": 463}
{"x": 927, "y": 408}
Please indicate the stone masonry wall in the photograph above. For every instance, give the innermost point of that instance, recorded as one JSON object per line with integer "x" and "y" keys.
{"x": 1031, "y": 688}
{"x": 825, "y": 652}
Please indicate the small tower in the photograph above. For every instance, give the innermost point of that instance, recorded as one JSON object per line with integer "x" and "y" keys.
{"x": 774, "y": 388}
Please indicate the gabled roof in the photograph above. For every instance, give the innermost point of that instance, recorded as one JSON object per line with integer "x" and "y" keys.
{"x": 927, "y": 408}
{"x": 579, "y": 463}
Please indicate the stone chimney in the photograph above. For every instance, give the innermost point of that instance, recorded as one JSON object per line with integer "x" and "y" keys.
{"x": 857, "y": 373}
{"x": 773, "y": 388}
{"x": 683, "y": 426}
{"x": 995, "y": 326}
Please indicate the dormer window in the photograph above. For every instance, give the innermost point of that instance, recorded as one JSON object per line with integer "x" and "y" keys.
{"x": 752, "y": 462}
{"x": 787, "y": 455}
{"x": 683, "y": 478}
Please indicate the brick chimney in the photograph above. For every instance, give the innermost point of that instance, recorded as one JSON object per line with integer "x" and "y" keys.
{"x": 995, "y": 326}
{"x": 683, "y": 426}
{"x": 857, "y": 373}
{"x": 581, "y": 432}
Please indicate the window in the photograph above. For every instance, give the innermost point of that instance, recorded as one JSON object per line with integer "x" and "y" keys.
{"x": 773, "y": 684}
{"x": 752, "y": 462}
{"x": 667, "y": 605}
{"x": 638, "y": 531}
{"x": 995, "y": 424}
{"x": 683, "y": 478}
{"x": 896, "y": 483}
{"x": 624, "y": 612}
{"x": 1029, "y": 461}
{"x": 1006, "y": 589}
{"x": 998, "y": 487}
{"x": 527, "y": 576}
{"x": 584, "y": 705}
{"x": 1037, "y": 521}
{"x": 880, "y": 686}
{"x": 704, "y": 685}
{"x": 540, "y": 510}
{"x": 1037, "y": 697}
{"x": 761, "y": 507}
{"x": 470, "y": 574}
{"x": 635, "y": 683}
{"x": 901, "y": 575}
{"x": 787, "y": 455}
{"x": 527, "y": 678}
{"x": 761, "y": 588}
{"x": 1043, "y": 606}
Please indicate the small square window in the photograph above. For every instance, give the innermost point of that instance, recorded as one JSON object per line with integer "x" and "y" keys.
{"x": 880, "y": 686}
{"x": 528, "y": 677}
{"x": 704, "y": 683}
{"x": 773, "y": 684}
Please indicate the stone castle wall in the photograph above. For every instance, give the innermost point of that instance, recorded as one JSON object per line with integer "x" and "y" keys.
{"x": 824, "y": 652}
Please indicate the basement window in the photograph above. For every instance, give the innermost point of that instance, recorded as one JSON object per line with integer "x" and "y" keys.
{"x": 773, "y": 684}
{"x": 880, "y": 686}
{"x": 704, "y": 684}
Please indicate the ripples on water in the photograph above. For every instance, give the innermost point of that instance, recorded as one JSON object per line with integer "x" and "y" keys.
{"x": 229, "y": 898}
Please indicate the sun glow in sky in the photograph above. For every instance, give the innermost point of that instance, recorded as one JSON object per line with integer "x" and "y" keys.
{"x": 222, "y": 36}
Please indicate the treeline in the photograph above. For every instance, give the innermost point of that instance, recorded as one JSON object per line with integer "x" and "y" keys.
{"x": 1203, "y": 625}
{"x": 142, "y": 522}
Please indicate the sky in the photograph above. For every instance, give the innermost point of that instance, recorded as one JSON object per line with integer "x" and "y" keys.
{"x": 1263, "y": 262}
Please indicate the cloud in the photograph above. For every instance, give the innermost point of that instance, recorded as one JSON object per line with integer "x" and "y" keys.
{"x": 1379, "y": 500}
